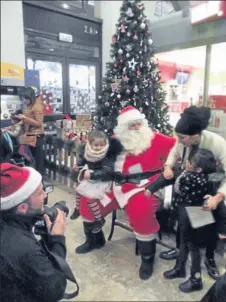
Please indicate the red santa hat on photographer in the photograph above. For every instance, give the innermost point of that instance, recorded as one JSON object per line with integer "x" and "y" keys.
{"x": 17, "y": 184}
{"x": 129, "y": 114}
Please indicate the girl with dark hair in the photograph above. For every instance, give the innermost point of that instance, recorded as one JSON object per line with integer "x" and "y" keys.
{"x": 33, "y": 127}
{"x": 190, "y": 189}
{"x": 191, "y": 131}
{"x": 97, "y": 157}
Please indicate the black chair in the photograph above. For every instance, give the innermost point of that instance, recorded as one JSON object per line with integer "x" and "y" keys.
{"x": 115, "y": 222}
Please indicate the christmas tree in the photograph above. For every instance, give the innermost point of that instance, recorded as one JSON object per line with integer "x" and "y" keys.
{"x": 132, "y": 77}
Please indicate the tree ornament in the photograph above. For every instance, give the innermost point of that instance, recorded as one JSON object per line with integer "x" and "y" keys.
{"x": 120, "y": 51}
{"x": 112, "y": 94}
{"x": 138, "y": 73}
{"x": 132, "y": 64}
{"x": 127, "y": 91}
{"x": 135, "y": 37}
{"x": 140, "y": 52}
{"x": 123, "y": 28}
{"x": 129, "y": 47}
{"x": 128, "y": 34}
{"x": 119, "y": 96}
{"x": 107, "y": 104}
{"x": 124, "y": 103}
{"x": 150, "y": 41}
{"x": 114, "y": 39}
{"x": 146, "y": 103}
{"x": 135, "y": 89}
{"x": 125, "y": 78}
{"x": 142, "y": 26}
{"x": 115, "y": 65}
{"x": 121, "y": 60}
{"x": 130, "y": 12}
{"x": 127, "y": 55}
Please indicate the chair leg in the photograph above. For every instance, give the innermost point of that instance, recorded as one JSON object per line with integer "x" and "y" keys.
{"x": 136, "y": 248}
{"x": 114, "y": 216}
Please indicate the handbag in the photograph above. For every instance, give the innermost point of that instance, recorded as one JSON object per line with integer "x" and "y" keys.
{"x": 29, "y": 140}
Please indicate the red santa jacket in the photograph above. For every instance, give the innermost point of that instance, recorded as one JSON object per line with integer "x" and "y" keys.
{"x": 152, "y": 159}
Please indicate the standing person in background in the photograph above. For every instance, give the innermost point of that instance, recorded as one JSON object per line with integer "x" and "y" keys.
{"x": 33, "y": 126}
{"x": 191, "y": 131}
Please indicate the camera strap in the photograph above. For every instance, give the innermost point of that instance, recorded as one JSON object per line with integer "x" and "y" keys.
{"x": 65, "y": 269}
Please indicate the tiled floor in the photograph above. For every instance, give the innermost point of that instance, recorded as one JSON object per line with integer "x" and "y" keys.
{"x": 111, "y": 273}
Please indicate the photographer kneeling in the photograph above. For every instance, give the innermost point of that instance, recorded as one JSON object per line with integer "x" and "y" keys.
{"x": 26, "y": 273}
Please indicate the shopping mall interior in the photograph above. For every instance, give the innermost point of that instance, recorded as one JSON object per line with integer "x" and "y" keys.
{"x": 60, "y": 49}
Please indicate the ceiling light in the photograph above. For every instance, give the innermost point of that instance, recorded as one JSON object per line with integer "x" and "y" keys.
{"x": 65, "y": 5}
{"x": 220, "y": 13}
{"x": 51, "y": 49}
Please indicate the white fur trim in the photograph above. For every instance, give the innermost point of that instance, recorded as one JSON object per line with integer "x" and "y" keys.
{"x": 129, "y": 116}
{"x": 148, "y": 237}
{"x": 123, "y": 198}
{"x": 24, "y": 192}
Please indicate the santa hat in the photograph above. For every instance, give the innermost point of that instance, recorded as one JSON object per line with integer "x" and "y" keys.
{"x": 17, "y": 184}
{"x": 129, "y": 114}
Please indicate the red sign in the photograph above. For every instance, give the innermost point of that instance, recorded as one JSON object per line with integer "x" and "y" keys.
{"x": 215, "y": 102}
{"x": 177, "y": 107}
{"x": 208, "y": 11}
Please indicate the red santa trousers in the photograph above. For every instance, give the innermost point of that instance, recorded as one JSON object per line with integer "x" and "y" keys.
{"x": 141, "y": 211}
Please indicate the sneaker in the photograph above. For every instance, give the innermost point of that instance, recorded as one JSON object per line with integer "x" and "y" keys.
{"x": 98, "y": 224}
{"x": 169, "y": 255}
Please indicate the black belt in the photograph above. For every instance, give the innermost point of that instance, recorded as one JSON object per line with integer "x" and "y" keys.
{"x": 38, "y": 135}
{"x": 135, "y": 178}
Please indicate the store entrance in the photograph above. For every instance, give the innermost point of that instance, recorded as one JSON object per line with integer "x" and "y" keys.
{"x": 66, "y": 85}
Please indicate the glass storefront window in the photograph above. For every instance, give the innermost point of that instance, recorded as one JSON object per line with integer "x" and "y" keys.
{"x": 82, "y": 89}
{"x": 51, "y": 86}
{"x": 217, "y": 89}
{"x": 182, "y": 77}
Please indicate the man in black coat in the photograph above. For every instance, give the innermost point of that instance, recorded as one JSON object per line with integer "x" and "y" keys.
{"x": 26, "y": 273}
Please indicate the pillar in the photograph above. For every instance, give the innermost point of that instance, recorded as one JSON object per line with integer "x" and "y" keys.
{"x": 12, "y": 44}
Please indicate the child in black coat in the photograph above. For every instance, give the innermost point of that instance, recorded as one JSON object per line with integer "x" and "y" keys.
{"x": 190, "y": 188}
{"x": 97, "y": 157}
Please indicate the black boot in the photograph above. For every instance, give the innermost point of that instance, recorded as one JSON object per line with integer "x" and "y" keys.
{"x": 75, "y": 214}
{"x": 212, "y": 268}
{"x": 93, "y": 241}
{"x": 179, "y": 271}
{"x": 194, "y": 283}
{"x": 147, "y": 250}
{"x": 171, "y": 254}
{"x": 98, "y": 224}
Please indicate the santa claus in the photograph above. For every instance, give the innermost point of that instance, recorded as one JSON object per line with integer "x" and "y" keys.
{"x": 143, "y": 150}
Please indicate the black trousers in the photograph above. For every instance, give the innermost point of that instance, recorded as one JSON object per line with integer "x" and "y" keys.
{"x": 38, "y": 154}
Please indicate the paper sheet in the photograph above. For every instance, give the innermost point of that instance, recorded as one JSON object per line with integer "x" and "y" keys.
{"x": 199, "y": 217}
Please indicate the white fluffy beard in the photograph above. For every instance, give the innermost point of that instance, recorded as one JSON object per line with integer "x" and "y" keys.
{"x": 134, "y": 141}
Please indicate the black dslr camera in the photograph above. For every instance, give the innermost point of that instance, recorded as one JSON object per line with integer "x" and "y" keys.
{"x": 40, "y": 226}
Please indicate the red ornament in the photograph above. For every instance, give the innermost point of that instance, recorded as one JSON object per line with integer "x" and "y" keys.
{"x": 125, "y": 78}
{"x": 135, "y": 37}
{"x": 115, "y": 65}
{"x": 114, "y": 39}
{"x": 123, "y": 28}
{"x": 121, "y": 60}
{"x": 138, "y": 73}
